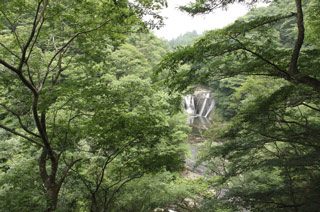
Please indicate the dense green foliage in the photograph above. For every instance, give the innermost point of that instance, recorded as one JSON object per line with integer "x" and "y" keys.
{"x": 83, "y": 127}
{"x": 264, "y": 70}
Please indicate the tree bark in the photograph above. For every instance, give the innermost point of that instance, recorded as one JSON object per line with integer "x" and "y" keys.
{"x": 51, "y": 183}
{"x": 52, "y": 196}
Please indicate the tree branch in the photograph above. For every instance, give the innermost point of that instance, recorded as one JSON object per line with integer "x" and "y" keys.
{"x": 65, "y": 173}
{"x": 11, "y": 52}
{"x": 35, "y": 25}
{"x": 293, "y": 69}
{"x": 267, "y": 22}
{"x": 285, "y": 74}
{"x": 41, "y": 128}
{"x": 83, "y": 180}
{"x": 61, "y": 69}
{"x": 20, "y": 121}
{"x": 29, "y": 75}
{"x": 309, "y": 106}
{"x": 13, "y": 30}
{"x": 67, "y": 44}
{"x": 21, "y": 135}
{"x": 34, "y": 42}
{"x": 7, "y": 65}
{"x": 98, "y": 184}
{"x": 106, "y": 205}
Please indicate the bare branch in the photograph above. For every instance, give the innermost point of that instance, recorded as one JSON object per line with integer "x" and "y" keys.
{"x": 309, "y": 81}
{"x": 20, "y": 121}
{"x": 309, "y": 106}
{"x": 98, "y": 184}
{"x": 42, "y": 165}
{"x": 45, "y": 4}
{"x": 11, "y": 52}
{"x": 35, "y": 40}
{"x": 29, "y": 74}
{"x": 65, "y": 173}
{"x": 53, "y": 125}
{"x": 54, "y": 44}
{"x": 21, "y": 135}
{"x": 122, "y": 184}
{"x": 27, "y": 83}
{"x": 68, "y": 126}
{"x": 43, "y": 122}
{"x": 85, "y": 182}
{"x": 61, "y": 69}
{"x": 35, "y": 25}
{"x": 18, "y": 70}
{"x": 13, "y": 29}
{"x": 7, "y": 65}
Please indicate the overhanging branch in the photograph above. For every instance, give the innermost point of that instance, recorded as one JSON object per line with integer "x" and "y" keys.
{"x": 21, "y": 135}
{"x": 7, "y": 65}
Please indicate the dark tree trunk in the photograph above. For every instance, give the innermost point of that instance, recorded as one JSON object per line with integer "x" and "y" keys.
{"x": 52, "y": 197}
{"x": 51, "y": 186}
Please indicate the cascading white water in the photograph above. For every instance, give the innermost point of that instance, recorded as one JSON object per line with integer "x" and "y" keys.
{"x": 200, "y": 104}
{"x": 212, "y": 104}
{"x": 204, "y": 104}
{"x": 190, "y": 104}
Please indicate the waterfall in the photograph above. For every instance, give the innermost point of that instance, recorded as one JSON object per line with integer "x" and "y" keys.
{"x": 204, "y": 104}
{"x": 212, "y": 104}
{"x": 199, "y": 104}
{"x": 189, "y": 104}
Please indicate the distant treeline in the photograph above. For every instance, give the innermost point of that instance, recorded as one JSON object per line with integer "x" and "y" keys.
{"x": 184, "y": 39}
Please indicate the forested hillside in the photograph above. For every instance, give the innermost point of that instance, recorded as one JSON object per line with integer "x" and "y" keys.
{"x": 91, "y": 112}
{"x": 185, "y": 39}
